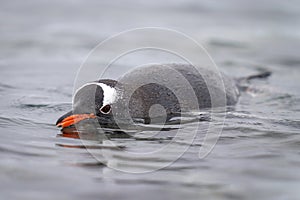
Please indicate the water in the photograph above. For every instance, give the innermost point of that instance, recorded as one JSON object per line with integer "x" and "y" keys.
{"x": 44, "y": 43}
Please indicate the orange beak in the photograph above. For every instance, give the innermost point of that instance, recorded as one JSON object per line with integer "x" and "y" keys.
{"x": 73, "y": 119}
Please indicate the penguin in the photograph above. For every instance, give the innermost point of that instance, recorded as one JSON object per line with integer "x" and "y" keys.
{"x": 146, "y": 93}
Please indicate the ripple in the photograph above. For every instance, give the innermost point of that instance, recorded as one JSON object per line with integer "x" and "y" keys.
{"x": 227, "y": 44}
{"x": 46, "y": 106}
{"x": 10, "y": 122}
{"x": 90, "y": 146}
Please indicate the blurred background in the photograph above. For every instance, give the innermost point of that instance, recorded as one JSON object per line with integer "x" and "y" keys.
{"x": 43, "y": 43}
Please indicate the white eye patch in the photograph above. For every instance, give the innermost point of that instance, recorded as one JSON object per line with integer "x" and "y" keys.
{"x": 109, "y": 93}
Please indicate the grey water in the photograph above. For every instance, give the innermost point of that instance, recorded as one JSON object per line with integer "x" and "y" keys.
{"x": 42, "y": 45}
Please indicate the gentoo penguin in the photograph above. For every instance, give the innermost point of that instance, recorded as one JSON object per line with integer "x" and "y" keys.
{"x": 168, "y": 88}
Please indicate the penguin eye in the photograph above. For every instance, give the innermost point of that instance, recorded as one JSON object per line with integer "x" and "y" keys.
{"x": 105, "y": 109}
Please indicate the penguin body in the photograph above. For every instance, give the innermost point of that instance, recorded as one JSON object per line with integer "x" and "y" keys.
{"x": 168, "y": 88}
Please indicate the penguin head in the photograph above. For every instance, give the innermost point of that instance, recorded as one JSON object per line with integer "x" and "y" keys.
{"x": 91, "y": 101}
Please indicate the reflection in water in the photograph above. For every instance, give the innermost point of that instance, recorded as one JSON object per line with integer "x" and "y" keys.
{"x": 140, "y": 149}
{"x": 88, "y": 130}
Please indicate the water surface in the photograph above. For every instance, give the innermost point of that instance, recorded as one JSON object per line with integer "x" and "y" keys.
{"x": 43, "y": 45}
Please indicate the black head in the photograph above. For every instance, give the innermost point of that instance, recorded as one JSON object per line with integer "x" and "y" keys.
{"x": 92, "y": 100}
